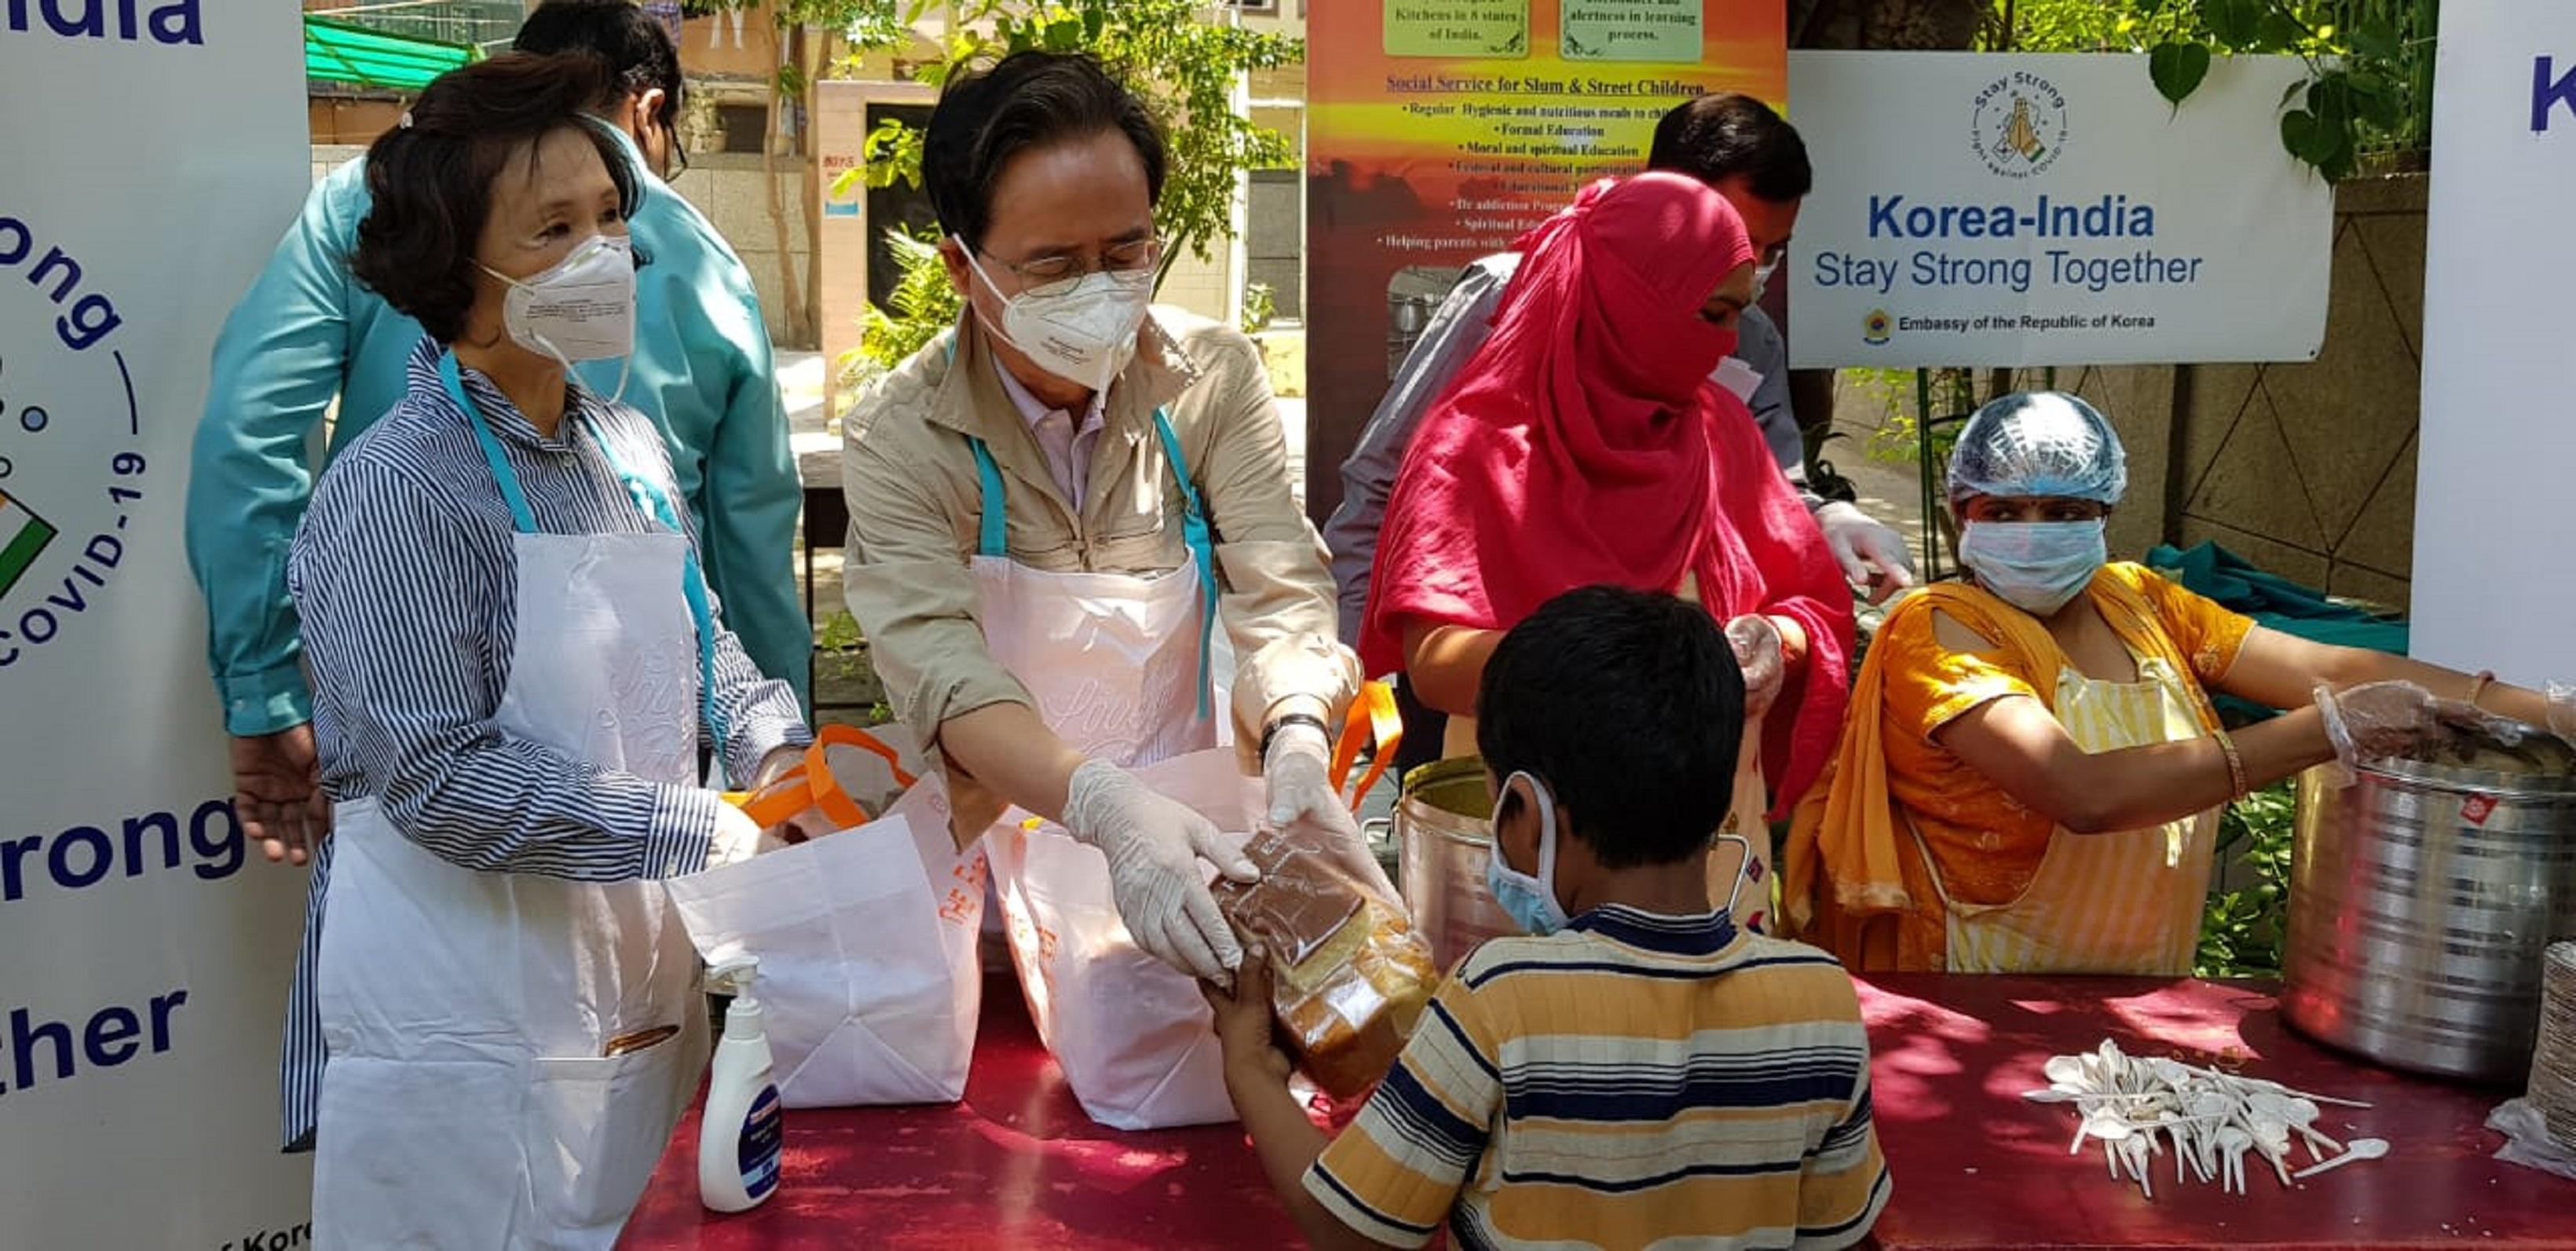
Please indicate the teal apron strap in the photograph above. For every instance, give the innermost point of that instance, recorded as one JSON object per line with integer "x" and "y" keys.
{"x": 520, "y": 515}
{"x": 1194, "y": 529}
{"x": 993, "y": 532}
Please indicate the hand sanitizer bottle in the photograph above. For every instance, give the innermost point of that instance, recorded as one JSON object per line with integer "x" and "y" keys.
{"x": 739, "y": 1141}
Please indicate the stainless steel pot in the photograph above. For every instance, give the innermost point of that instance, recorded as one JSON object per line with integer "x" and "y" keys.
{"x": 1444, "y": 821}
{"x": 2421, "y": 899}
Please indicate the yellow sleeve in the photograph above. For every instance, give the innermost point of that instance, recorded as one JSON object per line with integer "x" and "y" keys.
{"x": 1929, "y": 685}
{"x": 2208, "y": 635}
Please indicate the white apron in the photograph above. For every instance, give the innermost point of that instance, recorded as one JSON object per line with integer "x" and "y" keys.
{"x": 470, "y": 1100}
{"x": 1118, "y": 665}
{"x": 2100, "y": 903}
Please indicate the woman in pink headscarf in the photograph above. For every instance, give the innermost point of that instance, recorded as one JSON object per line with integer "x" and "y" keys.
{"x": 1584, "y": 444}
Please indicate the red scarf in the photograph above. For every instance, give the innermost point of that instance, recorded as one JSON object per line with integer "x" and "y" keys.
{"x": 1585, "y": 444}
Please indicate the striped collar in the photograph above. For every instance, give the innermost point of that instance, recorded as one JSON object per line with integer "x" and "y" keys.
{"x": 1704, "y": 934}
{"x": 507, "y": 422}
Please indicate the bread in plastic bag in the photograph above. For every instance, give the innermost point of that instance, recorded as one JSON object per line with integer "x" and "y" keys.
{"x": 1349, "y": 977}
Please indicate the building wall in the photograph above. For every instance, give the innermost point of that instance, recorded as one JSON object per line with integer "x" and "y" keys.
{"x": 2309, "y": 469}
{"x": 727, "y": 187}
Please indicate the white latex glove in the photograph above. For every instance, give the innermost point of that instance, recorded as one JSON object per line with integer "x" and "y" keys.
{"x": 2374, "y": 721}
{"x": 1871, "y": 555}
{"x": 2562, "y": 711}
{"x": 1154, "y": 846}
{"x": 1764, "y": 659}
{"x": 737, "y": 837}
{"x": 1297, "y": 775}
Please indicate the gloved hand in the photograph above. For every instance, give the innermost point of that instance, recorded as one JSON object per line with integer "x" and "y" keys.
{"x": 2374, "y": 721}
{"x": 1154, "y": 845}
{"x": 737, "y": 837}
{"x": 2562, "y": 711}
{"x": 1759, "y": 652}
{"x": 1298, "y": 777}
{"x": 1871, "y": 555}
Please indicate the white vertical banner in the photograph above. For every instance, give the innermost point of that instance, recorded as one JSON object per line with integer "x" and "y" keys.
{"x": 155, "y": 151}
{"x": 2495, "y": 529}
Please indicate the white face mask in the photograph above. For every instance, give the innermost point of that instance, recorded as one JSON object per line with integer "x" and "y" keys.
{"x": 1082, "y": 330}
{"x": 1762, "y": 278}
{"x": 2036, "y": 566}
{"x": 582, "y": 309}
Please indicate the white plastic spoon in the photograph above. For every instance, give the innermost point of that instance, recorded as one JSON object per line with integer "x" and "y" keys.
{"x": 2360, "y": 1149}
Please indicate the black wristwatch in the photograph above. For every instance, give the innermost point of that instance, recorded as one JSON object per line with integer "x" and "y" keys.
{"x": 1270, "y": 732}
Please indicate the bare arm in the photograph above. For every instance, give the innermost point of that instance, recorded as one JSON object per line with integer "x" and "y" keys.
{"x": 1445, "y": 664}
{"x": 2282, "y": 671}
{"x": 2022, "y": 749}
{"x": 1013, "y": 753}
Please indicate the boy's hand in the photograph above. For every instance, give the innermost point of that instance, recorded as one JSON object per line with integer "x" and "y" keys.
{"x": 1243, "y": 1026}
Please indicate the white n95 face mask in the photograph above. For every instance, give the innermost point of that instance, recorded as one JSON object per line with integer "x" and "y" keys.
{"x": 581, "y": 309}
{"x": 1082, "y": 330}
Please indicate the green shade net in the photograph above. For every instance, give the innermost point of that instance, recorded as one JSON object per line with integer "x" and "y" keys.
{"x": 340, "y": 52}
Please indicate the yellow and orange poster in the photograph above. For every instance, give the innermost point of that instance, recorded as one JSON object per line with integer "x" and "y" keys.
{"x": 1439, "y": 130}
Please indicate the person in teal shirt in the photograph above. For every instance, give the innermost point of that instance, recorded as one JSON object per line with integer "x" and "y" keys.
{"x": 307, "y": 331}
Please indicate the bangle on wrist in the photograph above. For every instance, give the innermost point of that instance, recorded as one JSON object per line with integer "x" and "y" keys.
{"x": 1270, "y": 733}
{"x": 2478, "y": 685}
{"x": 2236, "y": 780}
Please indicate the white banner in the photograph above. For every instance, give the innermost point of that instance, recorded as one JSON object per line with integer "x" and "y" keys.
{"x": 2051, "y": 210}
{"x": 156, "y": 149}
{"x": 2495, "y": 537}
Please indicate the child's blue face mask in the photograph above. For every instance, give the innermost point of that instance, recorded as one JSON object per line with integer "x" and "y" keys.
{"x": 1531, "y": 901}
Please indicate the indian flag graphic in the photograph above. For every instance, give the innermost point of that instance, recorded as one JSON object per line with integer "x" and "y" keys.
{"x": 22, "y": 536}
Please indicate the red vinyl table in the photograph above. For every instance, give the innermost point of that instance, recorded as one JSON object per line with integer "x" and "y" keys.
{"x": 1018, "y": 1165}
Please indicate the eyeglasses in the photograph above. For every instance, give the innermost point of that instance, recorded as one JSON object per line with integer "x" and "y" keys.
{"x": 1062, "y": 268}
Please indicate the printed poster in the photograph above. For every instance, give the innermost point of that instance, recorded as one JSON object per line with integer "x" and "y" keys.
{"x": 1437, "y": 131}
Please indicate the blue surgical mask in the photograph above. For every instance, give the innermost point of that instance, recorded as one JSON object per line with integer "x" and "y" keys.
{"x": 1530, "y": 901}
{"x": 2036, "y": 566}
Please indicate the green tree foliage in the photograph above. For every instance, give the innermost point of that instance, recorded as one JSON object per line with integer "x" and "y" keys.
{"x": 1185, "y": 66}
{"x": 2369, "y": 88}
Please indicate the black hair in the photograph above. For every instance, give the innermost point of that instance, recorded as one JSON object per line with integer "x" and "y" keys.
{"x": 1727, "y": 135}
{"x": 638, "y": 50}
{"x": 1630, "y": 707}
{"x": 431, "y": 176}
{"x": 1029, "y": 100}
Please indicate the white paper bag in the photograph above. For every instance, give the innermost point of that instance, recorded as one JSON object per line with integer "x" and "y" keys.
{"x": 1130, "y": 1032}
{"x": 869, "y": 982}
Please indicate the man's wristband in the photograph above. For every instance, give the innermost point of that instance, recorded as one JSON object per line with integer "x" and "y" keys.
{"x": 1270, "y": 733}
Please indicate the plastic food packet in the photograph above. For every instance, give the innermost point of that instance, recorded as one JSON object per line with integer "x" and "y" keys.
{"x": 1348, "y": 975}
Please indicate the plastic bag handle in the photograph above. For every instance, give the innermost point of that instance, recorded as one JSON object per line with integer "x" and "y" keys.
{"x": 811, "y": 784}
{"x": 1373, "y": 715}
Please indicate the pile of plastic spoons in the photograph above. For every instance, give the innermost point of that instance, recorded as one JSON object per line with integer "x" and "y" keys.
{"x": 2139, "y": 1109}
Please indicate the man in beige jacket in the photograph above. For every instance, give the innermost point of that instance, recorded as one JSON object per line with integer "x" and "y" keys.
{"x": 1054, "y": 505}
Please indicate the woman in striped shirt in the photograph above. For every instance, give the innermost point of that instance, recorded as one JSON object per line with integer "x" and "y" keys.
{"x": 517, "y": 668}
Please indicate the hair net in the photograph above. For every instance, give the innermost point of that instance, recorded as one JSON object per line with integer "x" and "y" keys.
{"x": 2039, "y": 443}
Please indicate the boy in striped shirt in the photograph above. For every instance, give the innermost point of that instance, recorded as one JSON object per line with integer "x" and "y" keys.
{"x": 1638, "y": 1072}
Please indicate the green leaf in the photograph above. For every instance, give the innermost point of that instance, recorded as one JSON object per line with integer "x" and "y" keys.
{"x": 2298, "y": 128}
{"x": 2177, "y": 70}
{"x": 2377, "y": 39}
{"x": 2233, "y": 23}
{"x": 2292, "y": 91}
{"x": 2278, "y": 32}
